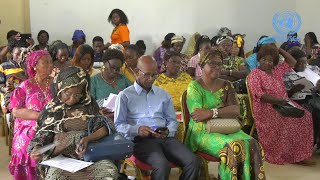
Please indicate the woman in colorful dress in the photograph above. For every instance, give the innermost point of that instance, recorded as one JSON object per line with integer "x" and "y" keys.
{"x": 211, "y": 97}
{"x": 65, "y": 120}
{"x": 284, "y": 139}
{"x": 132, "y": 55}
{"x": 175, "y": 82}
{"x": 26, "y": 102}
{"x": 120, "y": 33}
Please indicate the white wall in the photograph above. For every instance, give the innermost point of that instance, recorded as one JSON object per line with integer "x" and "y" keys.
{"x": 151, "y": 20}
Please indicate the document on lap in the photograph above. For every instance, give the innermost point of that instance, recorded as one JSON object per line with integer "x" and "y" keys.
{"x": 67, "y": 164}
{"x": 110, "y": 102}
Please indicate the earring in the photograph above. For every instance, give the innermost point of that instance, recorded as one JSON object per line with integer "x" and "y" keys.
{"x": 35, "y": 69}
{"x": 102, "y": 68}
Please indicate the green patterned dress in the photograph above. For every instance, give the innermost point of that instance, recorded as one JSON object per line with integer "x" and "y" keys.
{"x": 241, "y": 155}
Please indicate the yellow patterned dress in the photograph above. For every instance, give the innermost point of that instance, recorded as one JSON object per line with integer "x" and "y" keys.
{"x": 128, "y": 72}
{"x": 175, "y": 88}
{"x": 241, "y": 155}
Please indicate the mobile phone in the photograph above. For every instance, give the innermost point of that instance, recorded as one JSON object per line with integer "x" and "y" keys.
{"x": 160, "y": 129}
{"x": 24, "y": 38}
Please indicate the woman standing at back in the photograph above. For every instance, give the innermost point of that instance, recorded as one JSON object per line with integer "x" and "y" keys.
{"x": 120, "y": 33}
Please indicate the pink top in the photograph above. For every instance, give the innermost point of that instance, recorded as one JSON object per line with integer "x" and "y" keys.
{"x": 194, "y": 64}
{"x": 26, "y": 95}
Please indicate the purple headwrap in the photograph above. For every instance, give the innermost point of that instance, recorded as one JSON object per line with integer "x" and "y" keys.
{"x": 78, "y": 34}
{"x": 32, "y": 61}
{"x": 292, "y": 44}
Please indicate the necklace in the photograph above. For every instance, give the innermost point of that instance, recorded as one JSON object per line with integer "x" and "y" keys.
{"x": 46, "y": 88}
{"x": 207, "y": 85}
{"x": 110, "y": 83}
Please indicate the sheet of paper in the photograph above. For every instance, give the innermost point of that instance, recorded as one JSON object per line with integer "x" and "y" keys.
{"x": 47, "y": 147}
{"x": 299, "y": 96}
{"x": 310, "y": 75}
{"x": 67, "y": 164}
{"x": 110, "y": 102}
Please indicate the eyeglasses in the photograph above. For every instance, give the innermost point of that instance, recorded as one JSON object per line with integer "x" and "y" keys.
{"x": 117, "y": 69}
{"x": 69, "y": 95}
{"x": 149, "y": 75}
{"x": 215, "y": 65}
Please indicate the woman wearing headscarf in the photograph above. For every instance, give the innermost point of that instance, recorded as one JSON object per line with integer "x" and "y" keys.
{"x": 65, "y": 120}
{"x": 252, "y": 61}
{"x": 210, "y": 97}
{"x": 191, "y": 45}
{"x": 177, "y": 43}
{"x": 233, "y": 65}
{"x": 78, "y": 39}
{"x": 26, "y": 102}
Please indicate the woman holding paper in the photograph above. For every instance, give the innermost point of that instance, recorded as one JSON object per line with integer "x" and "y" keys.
{"x": 26, "y": 102}
{"x": 284, "y": 139}
{"x": 65, "y": 120}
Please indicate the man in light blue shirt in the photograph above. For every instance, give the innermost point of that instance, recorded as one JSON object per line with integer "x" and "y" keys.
{"x": 145, "y": 114}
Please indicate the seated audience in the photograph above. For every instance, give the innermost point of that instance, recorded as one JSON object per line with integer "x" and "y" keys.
{"x": 11, "y": 75}
{"x": 177, "y": 43}
{"x": 65, "y": 120}
{"x": 142, "y": 47}
{"x": 98, "y": 46}
{"x": 83, "y": 57}
{"x": 5, "y": 52}
{"x": 160, "y": 51}
{"x": 284, "y": 139}
{"x": 109, "y": 80}
{"x": 211, "y": 97}
{"x": 78, "y": 38}
{"x": 173, "y": 80}
{"x": 140, "y": 109}
{"x": 310, "y": 43}
{"x": 26, "y": 103}
{"x": 203, "y": 45}
{"x": 233, "y": 66}
{"x": 132, "y": 55}
{"x": 120, "y": 33}
{"x": 60, "y": 54}
{"x": 43, "y": 38}
{"x": 191, "y": 45}
{"x": 252, "y": 61}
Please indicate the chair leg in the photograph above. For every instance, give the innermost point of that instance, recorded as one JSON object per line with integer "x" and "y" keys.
{"x": 3, "y": 125}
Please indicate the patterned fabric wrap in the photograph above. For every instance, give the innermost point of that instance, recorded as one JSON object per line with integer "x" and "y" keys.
{"x": 32, "y": 61}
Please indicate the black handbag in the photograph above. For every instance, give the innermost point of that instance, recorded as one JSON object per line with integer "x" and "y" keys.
{"x": 287, "y": 110}
{"x": 113, "y": 147}
{"x": 315, "y": 101}
{"x": 240, "y": 86}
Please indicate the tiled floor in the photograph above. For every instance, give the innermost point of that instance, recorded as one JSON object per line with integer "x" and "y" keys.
{"x": 273, "y": 172}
